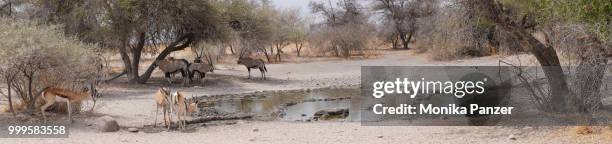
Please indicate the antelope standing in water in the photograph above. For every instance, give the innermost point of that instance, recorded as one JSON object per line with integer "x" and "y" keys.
{"x": 50, "y": 94}
{"x": 171, "y": 65}
{"x": 251, "y": 63}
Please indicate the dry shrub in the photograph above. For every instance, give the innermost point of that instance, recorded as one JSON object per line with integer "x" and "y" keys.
{"x": 343, "y": 41}
{"x": 36, "y": 56}
{"x": 442, "y": 35}
{"x": 452, "y": 34}
{"x": 583, "y": 130}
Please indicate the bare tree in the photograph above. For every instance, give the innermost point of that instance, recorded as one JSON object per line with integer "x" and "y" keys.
{"x": 401, "y": 16}
{"x": 345, "y": 28}
{"x": 298, "y": 29}
{"x": 9, "y": 74}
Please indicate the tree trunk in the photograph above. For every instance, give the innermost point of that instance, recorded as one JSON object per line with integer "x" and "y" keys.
{"x": 265, "y": 51}
{"x": 405, "y": 39}
{"x": 278, "y": 52}
{"x": 409, "y": 39}
{"x": 32, "y": 101}
{"x": 546, "y": 55}
{"x": 272, "y": 51}
{"x": 298, "y": 48}
{"x": 335, "y": 49}
{"x": 231, "y": 49}
{"x": 10, "y": 99}
{"x": 136, "y": 54}
{"x": 10, "y": 13}
{"x": 127, "y": 63}
{"x": 395, "y": 41}
{"x": 177, "y": 45}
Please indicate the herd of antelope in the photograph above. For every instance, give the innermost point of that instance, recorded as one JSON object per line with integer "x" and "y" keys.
{"x": 171, "y": 66}
{"x": 169, "y": 102}
{"x": 172, "y": 103}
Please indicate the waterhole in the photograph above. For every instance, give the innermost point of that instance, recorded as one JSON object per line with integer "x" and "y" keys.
{"x": 293, "y": 105}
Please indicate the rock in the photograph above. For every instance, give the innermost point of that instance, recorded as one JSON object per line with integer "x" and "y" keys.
{"x": 290, "y": 104}
{"x": 380, "y": 136}
{"x": 332, "y": 113}
{"x": 107, "y": 124}
{"x": 134, "y": 130}
{"x": 255, "y": 130}
{"x": 21, "y": 116}
{"x": 512, "y": 137}
{"x": 303, "y": 115}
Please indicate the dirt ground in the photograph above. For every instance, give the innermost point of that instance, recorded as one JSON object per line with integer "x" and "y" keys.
{"x": 133, "y": 106}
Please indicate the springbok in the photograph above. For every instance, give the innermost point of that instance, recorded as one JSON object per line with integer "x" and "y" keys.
{"x": 171, "y": 65}
{"x": 251, "y": 63}
{"x": 199, "y": 67}
{"x": 162, "y": 99}
{"x": 184, "y": 108}
{"x": 192, "y": 108}
{"x": 50, "y": 94}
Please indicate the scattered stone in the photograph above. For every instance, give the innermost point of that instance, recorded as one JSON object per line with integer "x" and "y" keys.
{"x": 303, "y": 115}
{"x": 512, "y": 137}
{"x": 107, "y": 124}
{"x": 231, "y": 123}
{"x": 255, "y": 130}
{"x": 528, "y": 128}
{"x": 21, "y": 116}
{"x": 290, "y": 104}
{"x": 134, "y": 130}
{"x": 332, "y": 113}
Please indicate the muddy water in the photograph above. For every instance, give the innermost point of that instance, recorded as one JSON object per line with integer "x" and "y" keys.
{"x": 295, "y": 105}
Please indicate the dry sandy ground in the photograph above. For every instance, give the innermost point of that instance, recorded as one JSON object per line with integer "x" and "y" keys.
{"x": 330, "y": 132}
{"x": 133, "y": 106}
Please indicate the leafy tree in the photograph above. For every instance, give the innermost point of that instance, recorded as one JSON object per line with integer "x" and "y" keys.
{"x": 517, "y": 18}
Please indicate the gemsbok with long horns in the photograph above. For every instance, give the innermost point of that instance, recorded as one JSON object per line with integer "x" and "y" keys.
{"x": 199, "y": 67}
{"x": 251, "y": 63}
{"x": 171, "y": 65}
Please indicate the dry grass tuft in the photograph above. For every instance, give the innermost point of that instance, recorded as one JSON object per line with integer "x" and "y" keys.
{"x": 583, "y": 130}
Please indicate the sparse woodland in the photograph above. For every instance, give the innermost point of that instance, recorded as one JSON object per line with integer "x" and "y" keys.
{"x": 60, "y": 42}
